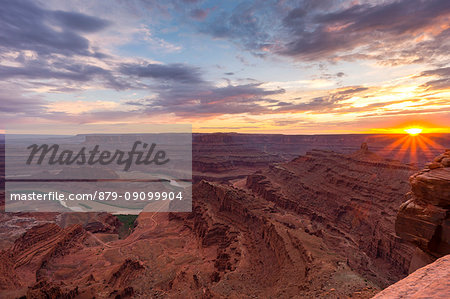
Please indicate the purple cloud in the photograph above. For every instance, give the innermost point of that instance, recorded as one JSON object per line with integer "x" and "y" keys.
{"x": 315, "y": 30}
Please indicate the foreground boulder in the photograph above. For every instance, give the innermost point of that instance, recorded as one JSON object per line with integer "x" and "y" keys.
{"x": 432, "y": 281}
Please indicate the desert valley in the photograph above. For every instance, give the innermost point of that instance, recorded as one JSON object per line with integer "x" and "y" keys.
{"x": 273, "y": 216}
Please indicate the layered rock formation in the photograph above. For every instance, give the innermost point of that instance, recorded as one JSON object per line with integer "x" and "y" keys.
{"x": 220, "y": 157}
{"x": 424, "y": 219}
{"x": 350, "y": 201}
{"x": 28, "y": 261}
{"x": 51, "y": 262}
{"x": 13, "y": 225}
{"x": 262, "y": 250}
{"x": 238, "y": 148}
{"x": 233, "y": 244}
{"x": 321, "y": 225}
{"x": 432, "y": 281}
{"x": 92, "y": 222}
{"x": 226, "y": 156}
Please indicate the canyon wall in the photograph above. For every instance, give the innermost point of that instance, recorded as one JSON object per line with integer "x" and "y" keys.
{"x": 350, "y": 201}
{"x": 287, "y": 147}
{"x": 424, "y": 219}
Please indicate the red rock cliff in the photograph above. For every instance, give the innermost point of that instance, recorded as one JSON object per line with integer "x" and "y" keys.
{"x": 350, "y": 201}
{"x": 424, "y": 219}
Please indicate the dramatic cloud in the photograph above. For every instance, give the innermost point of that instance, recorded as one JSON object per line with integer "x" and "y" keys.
{"x": 317, "y": 30}
{"x": 172, "y": 72}
{"x": 248, "y": 23}
{"x": 361, "y": 25}
{"x": 444, "y": 72}
{"x": 320, "y": 104}
{"x": 50, "y": 46}
{"x": 13, "y": 102}
{"x": 61, "y": 70}
{"x": 25, "y": 26}
{"x": 443, "y": 81}
{"x": 207, "y": 100}
{"x": 41, "y": 45}
{"x": 40, "y": 70}
{"x": 199, "y": 61}
{"x": 78, "y": 22}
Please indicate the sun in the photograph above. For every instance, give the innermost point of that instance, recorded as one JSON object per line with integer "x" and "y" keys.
{"x": 413, "y": 131}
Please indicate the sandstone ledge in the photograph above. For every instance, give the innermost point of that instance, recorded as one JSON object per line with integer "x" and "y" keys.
{"x": 431, "y": 281}
{"x": 424, "y": 219}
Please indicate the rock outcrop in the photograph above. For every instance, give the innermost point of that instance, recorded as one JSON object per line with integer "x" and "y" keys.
{"x": 432, "y": 281}
{"x": 126, "y": 273}
{"x": 30, "y": 257}
{"x": 45, "y": 289}
{"x": 93, "y": 222}
{"x": 424, "y": 219}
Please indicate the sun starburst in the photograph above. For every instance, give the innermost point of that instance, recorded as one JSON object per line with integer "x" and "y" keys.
{"x": 413, "y": 131}
{"x": 408, "y": 147}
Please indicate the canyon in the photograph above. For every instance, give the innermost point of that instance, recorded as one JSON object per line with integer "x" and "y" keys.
{"x": 272, "y": 216}
{"x": 350, "y": 201}
{"x": 226, "y": 156}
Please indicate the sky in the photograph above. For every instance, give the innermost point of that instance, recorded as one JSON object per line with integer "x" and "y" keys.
{"x": 291, "y": 67}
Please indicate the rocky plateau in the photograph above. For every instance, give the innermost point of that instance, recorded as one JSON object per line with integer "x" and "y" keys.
{"x": 267, "y": 221}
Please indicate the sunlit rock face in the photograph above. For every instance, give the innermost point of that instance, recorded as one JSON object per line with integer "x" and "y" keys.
{"x": 432, "y": 281}
{"x": 424, "y": 219}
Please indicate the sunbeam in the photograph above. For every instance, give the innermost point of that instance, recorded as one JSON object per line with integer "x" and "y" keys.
{"x": 412, "y": 146}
